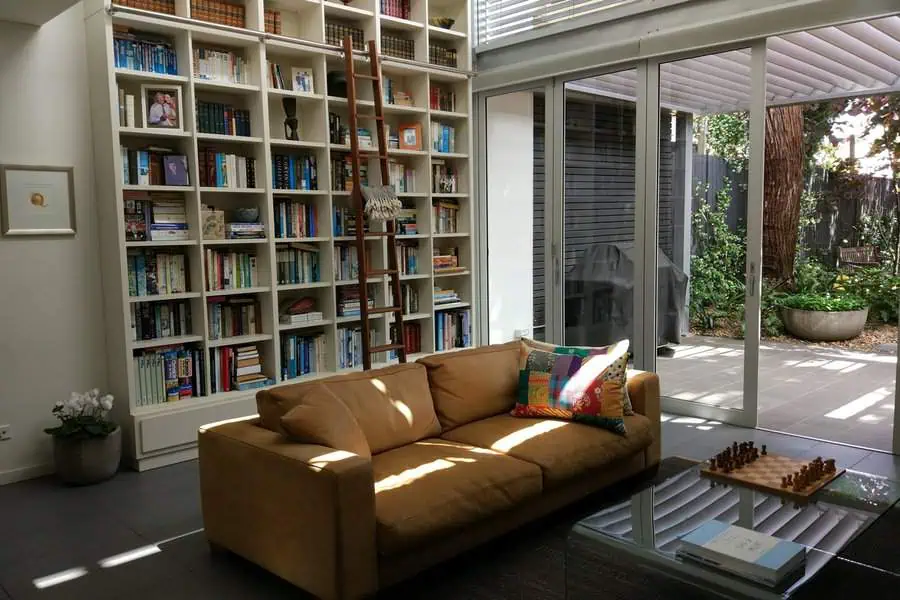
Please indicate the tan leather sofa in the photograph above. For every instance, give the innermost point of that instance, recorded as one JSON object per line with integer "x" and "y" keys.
{"x": 441, "y": 467}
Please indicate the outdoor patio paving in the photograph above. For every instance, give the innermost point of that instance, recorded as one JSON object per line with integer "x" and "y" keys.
{"x": 826, "y": 393}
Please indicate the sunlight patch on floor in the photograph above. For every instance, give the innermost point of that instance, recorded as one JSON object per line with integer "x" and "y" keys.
{"x": 855, "y": 407}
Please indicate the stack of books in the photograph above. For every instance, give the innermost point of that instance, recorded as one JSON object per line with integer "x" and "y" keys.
{"x": 442, "y": 296}
{"x": 756, "y": 556}
{"x": 302, "y": 355}
{"x": 406, "y": 221}
{"x": 169, "y": 220}
{"x": 348, "y": 301}
{"x": 245, "y": 231}
{"x": 232, "y": 317}
{"x": 237, "y": 368}
{"x": 446, "y": 260}
{"x": 299, "y": 312}
{"x": 297, "y": 263}
{"x": 152, "y": 273}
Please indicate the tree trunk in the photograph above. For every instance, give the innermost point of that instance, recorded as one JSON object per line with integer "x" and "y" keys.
{"x": 782, "y": 189}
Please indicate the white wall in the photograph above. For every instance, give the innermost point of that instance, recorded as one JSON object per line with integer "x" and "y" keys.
{"x": 510, "y": 197}
{"x": 51, "y": 319}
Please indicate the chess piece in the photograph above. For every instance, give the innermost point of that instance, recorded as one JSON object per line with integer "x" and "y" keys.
{"x": 829, "y": 466}
{"x": 764, "y": 450}
{"x": 291, "y": 123}
{"x": 784, "y": 482}
{"x": 790, "y": 479}
{"x": 712, "y": 464}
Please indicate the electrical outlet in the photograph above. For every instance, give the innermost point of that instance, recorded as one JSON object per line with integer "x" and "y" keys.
{"x": 5, "y": 432}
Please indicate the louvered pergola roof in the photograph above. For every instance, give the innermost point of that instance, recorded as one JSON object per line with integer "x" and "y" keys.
{"x": 832, "y": 62}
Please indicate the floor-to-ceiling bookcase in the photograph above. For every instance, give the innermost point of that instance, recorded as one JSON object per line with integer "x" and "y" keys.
{"x": 180, "y": 305}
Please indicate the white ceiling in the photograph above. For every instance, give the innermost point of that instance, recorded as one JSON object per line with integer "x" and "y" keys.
{"x": 832, "y": 62}
{"x": 33, "y": 12}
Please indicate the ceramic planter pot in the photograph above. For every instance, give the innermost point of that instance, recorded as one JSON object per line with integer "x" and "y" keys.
{"x": 819, "y": 326}
{"x": 82, "y": 462}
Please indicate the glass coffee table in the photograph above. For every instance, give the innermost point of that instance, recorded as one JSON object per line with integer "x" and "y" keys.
{"x": 629, "y": 550}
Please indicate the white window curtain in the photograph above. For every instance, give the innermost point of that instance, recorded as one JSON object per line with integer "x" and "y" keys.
{"x": 497, "y": 19}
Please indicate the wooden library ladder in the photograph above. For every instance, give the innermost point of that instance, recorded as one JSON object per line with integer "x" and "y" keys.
{"x": 390, "y": 233}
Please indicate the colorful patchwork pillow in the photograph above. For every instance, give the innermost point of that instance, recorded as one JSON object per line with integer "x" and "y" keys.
{"x": 582, "y": 351}
{"x": 587, "y": 390}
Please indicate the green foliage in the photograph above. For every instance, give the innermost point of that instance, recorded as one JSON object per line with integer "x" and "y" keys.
{"x": 882, "y": 112}
{"x": 878, "y": 288}
{"x": 812, "y": 277}
{"x": 727, "y": 135}
{"x": 823, "y": 302}
{"x": 770, "y": 323}
{"x": 882, "y": 232}
{"x": 717, "y": 266}
{"x": 818, "y": 121}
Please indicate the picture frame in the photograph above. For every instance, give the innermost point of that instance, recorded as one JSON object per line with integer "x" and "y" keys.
{"x": 302, "y": 80}
{"x": 161, "y": 107}
{"x": 37, "y": 200}
{"x": 411, "y": 136}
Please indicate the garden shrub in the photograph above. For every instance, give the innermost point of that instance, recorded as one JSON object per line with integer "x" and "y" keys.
{"x": 880, "y": 289}
{"x": 823, "y": 302}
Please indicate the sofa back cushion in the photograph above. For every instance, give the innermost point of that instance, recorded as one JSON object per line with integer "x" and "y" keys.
{"x": 325, "y": 420}
{"x": 470, "y": 385}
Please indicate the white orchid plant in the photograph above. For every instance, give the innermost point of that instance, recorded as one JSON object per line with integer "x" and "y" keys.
{"x": 83, "y": 416}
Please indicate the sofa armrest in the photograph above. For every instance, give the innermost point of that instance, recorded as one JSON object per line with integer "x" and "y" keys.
{"x": 301, "y": 511}
{"x": 643, "y": 389}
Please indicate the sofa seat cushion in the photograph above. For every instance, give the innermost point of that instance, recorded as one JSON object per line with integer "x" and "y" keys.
{"x": 435, "y": 486}
{"x": 563, "y": 449}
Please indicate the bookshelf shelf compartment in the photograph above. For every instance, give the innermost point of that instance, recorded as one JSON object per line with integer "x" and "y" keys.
{"x": 440, "y": 33}
{"x": 396, "y": 23}
{"x": 235, "y": 242}
{"x": 296, "y": 144}
{"x": 416, "y": 316}
{"x": 448, "y": 114}
{"x": 449, "y": 235}
{"x": 301, "y": 96}
{"x": 350, "y": 13}
{"x": 163, "y": 297}
{"x": 414, "y": 276}
{"x": 448, "y": 155}
{"x": 278, "y": 192}
{"x": 166, "y": 341}
{"x": 307, "y": 325}
{"x": 449, "y": 195}
{"x": 355, "y": 318}
{"x": 451, "y": 305}
{"x": 225, "y": 86}
{"x": 306, "y": 240}
{"x": 130, "y": 187}
{"x": 453, "y": 274}
{"x": 226, "y": 190}
{"x": 229, "y": 139}
{"x": 149, "y": 76}
{"x": 289, "y": 287}
{"x": 160, "y": 243}
{"x": 237, "y": 291}
{"x": 153, "y": 133}
{"x": 239, "y": 340}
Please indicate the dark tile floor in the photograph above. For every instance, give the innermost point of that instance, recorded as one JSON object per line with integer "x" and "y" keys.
{"x": 51, "y": 533}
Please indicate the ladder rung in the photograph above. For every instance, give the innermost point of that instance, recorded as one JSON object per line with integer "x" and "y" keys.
{"x": 378, "y": 272}
{"x": 364, "y": 76}
{"x": 384, "y": 310}
{"x": 385, "y": 348}
{"x": 373, "y": 117}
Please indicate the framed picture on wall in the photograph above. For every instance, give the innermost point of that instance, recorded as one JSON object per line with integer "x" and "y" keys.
{"x": 37, "y": 200}
{"x": 161, "y": 107}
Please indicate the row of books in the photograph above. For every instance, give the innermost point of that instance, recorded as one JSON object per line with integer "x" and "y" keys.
{"x": 396, "y": 8}
{"x": 227, "y": 270}
{"x": 445, "y": 296}
{"x": 412, "y": 337}
{"x": 245, "y": 231}
{"x": 442, "y": 98}
{"x": 408, "y": 257}
{"x": 220, "y": 65}
{"x": 401, "y": 177}
{"x": 439, "y": 55}
{"x": 223, "y": 119}
{"x": 301, "y": 80}
{"x": 398, "y": 47}
{"x": 446, "y": 260}
{"x": 444, "y": 178}
{"x": 127, "y": 117}
{"x": 445, "y": 216}
{"x": 154, "y": 217}
{"x": 153, "y": 166}
{"x": 152, "y": 273}
{"x": 295, "y": 219}
{"x": 349, "y": 303}
{"x": 393, "y": 95}
{"x": 346, "y": 262}
{"x": 297, "y": 263}
{"x": 166, "y": 7}
{"x": 345, "y": 221}
{"x": 236, "y": 368}
{"x": 350, "y": 350}
{"x": 169, "y": 375}
{"x": 302, "y": 355}
{"x": 154, "y": 320}
{"x": 336, "y": 128}
{"x": 222, "y": 170}
{"x": 290, "y": 172}
{"x": 233, "y": 316}
{"x": 409, "y": 298}
{"x": 443, "y": 137}
{"x": 452, "y": 329}
{"x": 335, "y": 32}
{"x": 406, "y": 221}
{"x": 217, "y": 11}
{"x": 139, "y": 52}
{"x": 272, "y": 21}
{"x": 342, "y": 173}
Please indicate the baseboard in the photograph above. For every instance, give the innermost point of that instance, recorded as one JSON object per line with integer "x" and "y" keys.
{"x": 23, "y": 473}
{"x": 164, "y": 460}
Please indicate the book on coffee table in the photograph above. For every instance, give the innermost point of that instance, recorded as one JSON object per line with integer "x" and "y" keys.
{"x": 749, "y": 554}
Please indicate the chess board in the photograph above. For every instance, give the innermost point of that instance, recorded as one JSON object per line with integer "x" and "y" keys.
{"x": 765, "y": 473}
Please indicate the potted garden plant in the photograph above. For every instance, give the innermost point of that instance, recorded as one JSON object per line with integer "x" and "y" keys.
{"x": 87, "y": 444}
{"x": 824, "y": 317}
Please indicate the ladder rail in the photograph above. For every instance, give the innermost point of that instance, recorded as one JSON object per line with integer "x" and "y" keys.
{"x": 396, "y": 330}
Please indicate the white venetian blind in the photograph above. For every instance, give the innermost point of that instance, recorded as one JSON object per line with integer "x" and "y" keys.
{"x": 500, "y": 18}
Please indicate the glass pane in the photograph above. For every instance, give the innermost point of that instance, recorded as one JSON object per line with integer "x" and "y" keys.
{"x": 515, "y": 215}
{"x": 703, "y": 138}
{"x": 599, "y": 169}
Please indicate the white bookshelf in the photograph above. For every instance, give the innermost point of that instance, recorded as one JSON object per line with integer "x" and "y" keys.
{"x": 160, "y": 434}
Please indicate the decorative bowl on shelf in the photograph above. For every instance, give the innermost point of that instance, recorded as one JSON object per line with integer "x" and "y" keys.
{"x": 246, "y": 214}
{"x": 443, "y": 22}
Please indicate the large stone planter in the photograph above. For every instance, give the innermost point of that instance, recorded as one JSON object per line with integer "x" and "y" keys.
{"x": 818, "y": 326}
{"x": 81, "y": 462}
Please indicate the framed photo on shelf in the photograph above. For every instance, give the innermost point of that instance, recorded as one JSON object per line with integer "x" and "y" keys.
{"x": 411, "y": 136}
{"x": 161, "y": 107}
{"x": 37, "y": 200}
{"x": 302, "y": 79}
